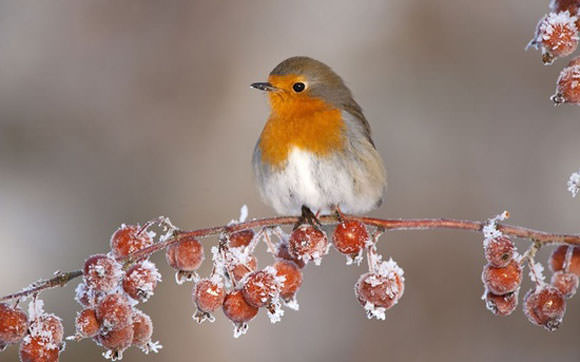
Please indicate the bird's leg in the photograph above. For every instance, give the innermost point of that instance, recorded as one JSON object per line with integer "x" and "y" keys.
{"x": 307, "y": 217}
{"x": 339, "y": 215}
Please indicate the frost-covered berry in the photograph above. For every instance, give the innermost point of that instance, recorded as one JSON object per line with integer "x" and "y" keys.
{"x": 116, "y": 341}
{"x": 240, "y": 269}
{"x": 86, "y": 296}
{"x": 502, "y": 280}
{"x": 499, "y": 252}
{"x": 239, "y": 312}
{"x": 45, "y": 335}
{"x": 559, "y": 256}
{"x": 102, "y": 273}
{"x": 308, "y": 243}
{"x": 566, "y": 283}
{"x": 350, "y": 237}
{"x": 142, "y": 332}
{"x": 292, "y": 278}
{"x": 13, "y": 325}
{"x": 568, "y": 86}
{"x": 128, "y": 239}
{"x": 140, "y": 281}
{"x": 48, "y": 327}
{"x": 186, "y": 256}
{"x": 502, "y": 305}
{"x": 380, "y": 290}
{"x": 545, "y": 306}
{"x": 563, "y": 5}
{"x": 35, "y": 349}
{"x": 284, "y": 253}
{"x": 114, "y": 312}
{"x": 556, "y": 35}
{"x": 241, "y": 238}
{"x": 260, "y": 287}
{"x": 208, "y": 295}
{"x": 86, "y": 324}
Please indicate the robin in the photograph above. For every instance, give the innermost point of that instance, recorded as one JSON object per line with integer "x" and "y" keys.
{"x": 315, "y": 152}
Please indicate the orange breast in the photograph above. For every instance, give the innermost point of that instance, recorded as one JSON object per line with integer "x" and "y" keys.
{"x": 300, "y": 121}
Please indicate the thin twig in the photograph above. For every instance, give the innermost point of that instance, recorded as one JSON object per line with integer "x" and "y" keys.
{"x": 539, "y": 237}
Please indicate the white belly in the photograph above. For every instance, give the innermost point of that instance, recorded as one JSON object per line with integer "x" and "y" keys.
{"x": 318, "y": 183}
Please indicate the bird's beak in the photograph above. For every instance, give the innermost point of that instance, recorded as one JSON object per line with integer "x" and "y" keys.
{"x": 263, "y": 86}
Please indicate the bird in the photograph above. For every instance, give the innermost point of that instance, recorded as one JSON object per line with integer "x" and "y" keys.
{"x": 315, "y": 154}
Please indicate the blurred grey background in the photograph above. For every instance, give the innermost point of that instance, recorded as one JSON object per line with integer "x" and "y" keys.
{"x": 120, "y": 111}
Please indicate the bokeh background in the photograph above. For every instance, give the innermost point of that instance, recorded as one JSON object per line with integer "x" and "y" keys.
{"x": 120, "y": 111}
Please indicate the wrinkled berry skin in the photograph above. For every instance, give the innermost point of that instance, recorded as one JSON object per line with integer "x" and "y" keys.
{"x": 545, "y": 306}
{"x": 13, "y": 324}
{"x": 349, "y": 237}
{"x": 502, "y": 305}
{"x": 499, "y": 252}
{"x": 237, "y": 309}
{"x": 503, "y": 280}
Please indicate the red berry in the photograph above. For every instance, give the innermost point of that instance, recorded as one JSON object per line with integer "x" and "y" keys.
{"x": 87, "y": 297}
{"x": 567, "y": 88}
{"x": 186, "y": 256}
{"x": 261, "y": 287}
{"x": 284, "y": 253}
{"x": 86, "y": 324}
{"x": 239, "y": 271}
{"x": 557, "y": 35}
{"x": 241, "y": 238}
{"x": 545, "y": 306}
{"x": 566, "y": 283}
{"x": 35, "y": 349}
{"x": 292, "y": 278}
{"x": 559, "y": 256}
{"x": 381, "y": 290}
{"x": 142, "y": 330}
{"x": 141, "y": 280}
{"x": 13, "y": 324}
{"x": 308, "y": 243}
{"x": 209, "y": 294}
{"x": 102, "y": 273}
{"x": 116, "y": 341}
{"x": 502, "y": 305}
{"x": 237, "y": 309}
{"x": 350, "y": 237}
{"x": 499, "y": 252}
{"x": 502, "y": 280}
{"x": 127, "y": 240}
{"x": 114, "y": 312}
{"x": 563, "y": 5}
{"x": 48, "y": 327}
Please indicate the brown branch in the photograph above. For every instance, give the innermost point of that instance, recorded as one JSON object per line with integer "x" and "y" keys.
{"x": 539, "y": 237}
{"x": 60, "y": 280}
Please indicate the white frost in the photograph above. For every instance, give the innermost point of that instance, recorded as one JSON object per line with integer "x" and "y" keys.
{"x": 574, "y": 183}
{"x": 375, "y": 312}
{"x": 490, "y": 230}
{"x": 240, "y": 329}
{"x": 537, "y": 273}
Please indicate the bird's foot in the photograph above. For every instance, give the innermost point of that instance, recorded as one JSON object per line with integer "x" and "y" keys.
{"x": 308, "y": 217}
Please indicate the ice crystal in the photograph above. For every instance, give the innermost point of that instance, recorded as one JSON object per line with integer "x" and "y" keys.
{"x": 574, "y": 183}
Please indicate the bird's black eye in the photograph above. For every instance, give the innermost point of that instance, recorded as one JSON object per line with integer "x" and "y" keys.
{"x": 298, "y": 87}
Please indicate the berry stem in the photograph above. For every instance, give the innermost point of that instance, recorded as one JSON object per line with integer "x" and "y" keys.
{"x": 539, "y": 237}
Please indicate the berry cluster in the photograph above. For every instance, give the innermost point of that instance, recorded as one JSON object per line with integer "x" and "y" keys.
{"x": 241, "y": 289}
{"x": 544, "y": 304}
{"x": 115, "y": 283}
{"x": 110, "y": 292}
{"x": 40, "y": 334}
{"x": 557, "y": 36}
